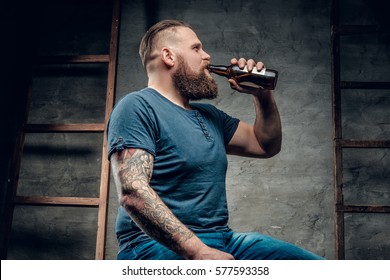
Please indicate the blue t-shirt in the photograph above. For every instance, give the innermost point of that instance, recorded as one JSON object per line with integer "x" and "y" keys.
{"x": 189, "y": 152}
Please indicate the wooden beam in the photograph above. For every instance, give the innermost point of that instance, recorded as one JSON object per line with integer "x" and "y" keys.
{"x": 337, "y": 130}
{"x": 363, "y": 208}
{"x": 72, "y": 59}
{"x": 358, "y": 30}
{"x": 373, "y": 144}
{"x": 364, "y": 85}
{"x": 57, "y": 201}
{"x": 53, "y": 128}
{"x": 110, "y": 99}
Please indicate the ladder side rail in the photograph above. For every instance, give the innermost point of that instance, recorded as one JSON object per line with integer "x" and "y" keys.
{"x": 337, "y": 131}
{"x": 110, "y": 99}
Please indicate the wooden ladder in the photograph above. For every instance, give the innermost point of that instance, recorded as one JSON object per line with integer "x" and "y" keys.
{"x": 340, "y": 143}
{"x": 100, "y": 202}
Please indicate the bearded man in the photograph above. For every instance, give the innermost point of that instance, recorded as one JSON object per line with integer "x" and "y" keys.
{"x": 169, "y": 156}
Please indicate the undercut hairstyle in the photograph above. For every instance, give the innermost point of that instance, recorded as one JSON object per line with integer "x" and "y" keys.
{"x": 151, "y": 37}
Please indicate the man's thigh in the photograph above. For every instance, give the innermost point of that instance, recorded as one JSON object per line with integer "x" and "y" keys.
{"x": 152, "y": 250}
{"x": 256, "y": 246}
{"x": 149, "y": 250}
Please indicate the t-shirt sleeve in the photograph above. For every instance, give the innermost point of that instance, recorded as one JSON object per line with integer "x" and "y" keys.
{"x": 230, "y": 125}
{"x": 131, "y": 125}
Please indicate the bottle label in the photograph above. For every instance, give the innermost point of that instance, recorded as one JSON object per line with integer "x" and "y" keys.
{"x": 254, "y": 70}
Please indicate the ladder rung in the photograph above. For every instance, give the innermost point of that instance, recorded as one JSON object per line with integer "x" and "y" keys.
{"x": 57, "y": 201}
{"x": 363, "y": 208}
{"x": 42, "y": 128}
{"x": 73, "y": 59}
{"x": 364, "y": 85}
{"x": 348, "y": 143}
{"x": 358, "y": 29}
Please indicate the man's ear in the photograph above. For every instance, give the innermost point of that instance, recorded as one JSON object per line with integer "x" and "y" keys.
{"x": 168, "y": 57}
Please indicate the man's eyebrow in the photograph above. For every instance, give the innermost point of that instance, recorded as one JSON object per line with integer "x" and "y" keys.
{"x": 198, "y": 45}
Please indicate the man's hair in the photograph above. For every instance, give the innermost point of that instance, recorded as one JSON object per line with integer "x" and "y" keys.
{"x": 152, "y": 35}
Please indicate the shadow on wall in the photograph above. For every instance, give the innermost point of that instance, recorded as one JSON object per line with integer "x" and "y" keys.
{"x": 151, "y": 8}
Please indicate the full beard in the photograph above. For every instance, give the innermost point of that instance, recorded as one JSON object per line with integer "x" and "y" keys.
{"x": 194, "y": 86}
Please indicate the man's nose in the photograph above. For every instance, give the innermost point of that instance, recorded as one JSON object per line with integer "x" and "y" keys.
{"x": 206, "y": 56}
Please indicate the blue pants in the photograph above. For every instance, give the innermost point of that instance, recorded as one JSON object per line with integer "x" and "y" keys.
{"x": 243, "y": 246}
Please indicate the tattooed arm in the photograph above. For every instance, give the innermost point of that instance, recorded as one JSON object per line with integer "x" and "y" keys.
{"x": 132, "y": 170}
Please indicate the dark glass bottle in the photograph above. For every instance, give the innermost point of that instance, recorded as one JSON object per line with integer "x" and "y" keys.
{"x": 265, "y": 78}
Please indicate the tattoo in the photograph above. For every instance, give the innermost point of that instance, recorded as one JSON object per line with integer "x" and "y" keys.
{"x": 133, "y": 170}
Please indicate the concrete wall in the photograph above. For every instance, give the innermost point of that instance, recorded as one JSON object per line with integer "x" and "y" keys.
{"x": 289, "y": 196}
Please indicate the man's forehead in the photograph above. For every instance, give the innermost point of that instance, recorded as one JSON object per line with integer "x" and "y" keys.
{"x": 187, "y": 35}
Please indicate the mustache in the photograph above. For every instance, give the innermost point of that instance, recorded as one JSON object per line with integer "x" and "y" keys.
{"x": 206, "y": 65}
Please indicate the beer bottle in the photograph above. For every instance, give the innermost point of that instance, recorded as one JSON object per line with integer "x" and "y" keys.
{"x": 265, "y": 78}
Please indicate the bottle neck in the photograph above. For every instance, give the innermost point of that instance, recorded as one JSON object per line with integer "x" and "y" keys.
{"x": 219, "y": 70}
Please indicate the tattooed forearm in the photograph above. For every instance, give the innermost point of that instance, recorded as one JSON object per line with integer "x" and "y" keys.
{"x": 132, "y": 169}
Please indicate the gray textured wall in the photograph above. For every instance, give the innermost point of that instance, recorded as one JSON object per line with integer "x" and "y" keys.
{"x": 289, "y": 196}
